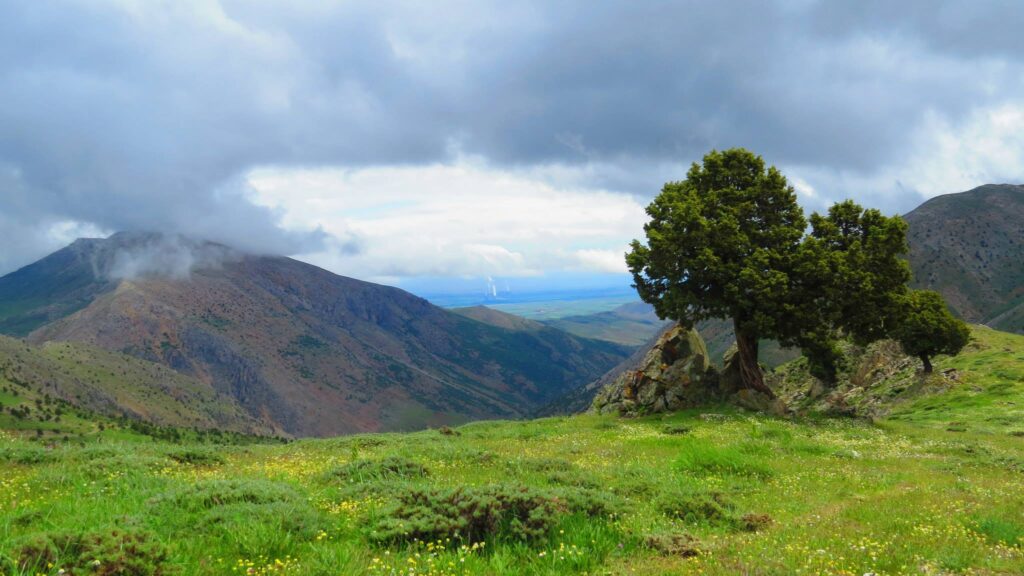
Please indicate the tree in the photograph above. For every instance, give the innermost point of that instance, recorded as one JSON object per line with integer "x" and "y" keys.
{"x": 722, "y": 244}
{"x": 926, "y": 327}
{"x": 849, "y": 281}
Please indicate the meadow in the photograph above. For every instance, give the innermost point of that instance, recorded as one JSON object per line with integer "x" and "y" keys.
{"x": 714, "y": 491}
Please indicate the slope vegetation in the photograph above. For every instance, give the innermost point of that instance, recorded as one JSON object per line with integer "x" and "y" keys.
{"x": 110, "y": 384}
{"x": 307, "y": 351}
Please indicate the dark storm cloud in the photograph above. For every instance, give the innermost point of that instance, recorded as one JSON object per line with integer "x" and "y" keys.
{"x": 145, "y": 116}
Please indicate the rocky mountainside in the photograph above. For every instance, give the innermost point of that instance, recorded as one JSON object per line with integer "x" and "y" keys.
{"x": 117, "y": 385}
{"x": 970, "y": 248}
{"x": 301, "y": 349}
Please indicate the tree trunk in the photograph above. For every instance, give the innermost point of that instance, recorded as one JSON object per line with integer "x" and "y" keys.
{"x": 927, "y": 363}
{"x": 750, "y": 370}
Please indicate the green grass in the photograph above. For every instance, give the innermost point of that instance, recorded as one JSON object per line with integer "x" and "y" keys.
{"x": 932, "y": 484}
{"x": 756, "y": 495}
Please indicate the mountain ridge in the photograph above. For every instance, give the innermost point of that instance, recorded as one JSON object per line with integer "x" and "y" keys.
{"x": 300, "y": 348}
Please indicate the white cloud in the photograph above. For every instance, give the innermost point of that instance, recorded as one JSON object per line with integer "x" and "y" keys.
{"x": 943, "y": 157}
{"x": 458, "y": 220}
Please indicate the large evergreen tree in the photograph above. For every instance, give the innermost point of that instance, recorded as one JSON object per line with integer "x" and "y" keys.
{"x": 722, "y": 244}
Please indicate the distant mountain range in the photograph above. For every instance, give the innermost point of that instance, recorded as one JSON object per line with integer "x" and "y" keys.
{"x": 303, "y": 351}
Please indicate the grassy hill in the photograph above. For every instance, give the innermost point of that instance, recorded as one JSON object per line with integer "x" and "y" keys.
{"x": 932, "y": 484}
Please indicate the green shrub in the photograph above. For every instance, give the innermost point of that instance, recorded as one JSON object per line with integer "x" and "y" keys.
{"x": 117, "y": 552}
{"x": 388, "y": 468}
{"x": 196, "y": 457}
{"x": 542, "y": 465}
{"x": 209, "y": 494}
{"x": 27, "y": 455}
{"x": 711, "y": 509}
{"x": 270, "y": 529}
{"x": 476, "y": 514}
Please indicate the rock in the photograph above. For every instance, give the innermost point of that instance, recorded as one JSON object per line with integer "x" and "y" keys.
{"x": 674, "y": 374}
{"x": 759, "y": 402}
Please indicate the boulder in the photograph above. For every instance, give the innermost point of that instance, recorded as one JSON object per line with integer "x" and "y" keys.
{"x": 674, "y": 374}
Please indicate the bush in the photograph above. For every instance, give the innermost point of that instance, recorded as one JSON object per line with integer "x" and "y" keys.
{"x": 212, "y": 493}
{"x": 389, "y": 468}
{"x": 711, "y": 509}
{"x": 27, "y": 455}
{"x": 476, "y": 514}
{"x": 117, "y": 552}
{"x": 196, "y": 457}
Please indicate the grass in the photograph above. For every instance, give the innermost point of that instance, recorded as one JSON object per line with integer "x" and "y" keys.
{"x": 932, "y": 484}
{"x": 732, "y": 494}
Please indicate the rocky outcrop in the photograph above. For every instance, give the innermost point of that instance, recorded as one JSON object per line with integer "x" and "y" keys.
{"x": 674, "y": 374}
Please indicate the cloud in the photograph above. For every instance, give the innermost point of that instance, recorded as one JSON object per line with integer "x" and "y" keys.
{"x": 131, "y": 115}
{"x": 466, "y": 219}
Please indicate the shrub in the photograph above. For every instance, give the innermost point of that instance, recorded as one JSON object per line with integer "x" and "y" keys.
{"x": 389, "y": 468}
{"x": 475, "y": 514}
{"x": 542, "y": 465}
{"x": 711, "y": 509}
{"x": 212, "y": 493}
{"x": 196, "y": 457}
{"x": 117, "y": 552}
{"x": 27, "y": 455}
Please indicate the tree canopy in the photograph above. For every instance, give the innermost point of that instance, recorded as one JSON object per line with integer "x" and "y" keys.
{"x": 722, "y": 244}
{"x": 927, "y": 328}
{"x": 731, "y": 241}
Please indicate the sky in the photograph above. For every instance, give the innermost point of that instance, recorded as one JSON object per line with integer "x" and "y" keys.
{"x": 425, "y": 143}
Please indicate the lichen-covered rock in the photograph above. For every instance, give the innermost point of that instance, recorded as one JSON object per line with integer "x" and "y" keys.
{"x": 674, "y": 374}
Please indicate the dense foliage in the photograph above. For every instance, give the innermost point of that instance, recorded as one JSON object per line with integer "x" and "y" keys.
{"x": 723, "y": 243}
{"x": 927, "y": 328}
{"x": 730, "y": 241}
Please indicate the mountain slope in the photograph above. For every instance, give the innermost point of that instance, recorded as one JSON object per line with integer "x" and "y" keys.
{"x": 116, "y": 385}
{"x": 970, "y": 248}
{"x": 631, "y": 324}
{"x": 310, "y": 352}
{"x": 52, "y": 288}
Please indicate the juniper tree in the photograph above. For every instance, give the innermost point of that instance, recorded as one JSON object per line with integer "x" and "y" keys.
{"x": 849, "y": 282}
{"x": 926, "y": 327}
{"x": 722, "y": 244}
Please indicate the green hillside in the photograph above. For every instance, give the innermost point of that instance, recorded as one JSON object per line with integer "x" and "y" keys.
{"x": 931, "y": 484}
{"x": 112, "y": 385}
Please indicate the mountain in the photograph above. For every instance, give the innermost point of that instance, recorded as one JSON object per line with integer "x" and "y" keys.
{"x": 301, "y": 349}
{"x": 631, "y": 324}
{"x": 970, "y": 248}
{"x": 117, "y": 385}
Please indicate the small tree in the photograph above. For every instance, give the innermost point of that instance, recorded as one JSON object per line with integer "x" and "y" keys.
{"x": 721, "y": 244}
{"x": 849, "y": 281}
{"x": 926, "y": 328}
